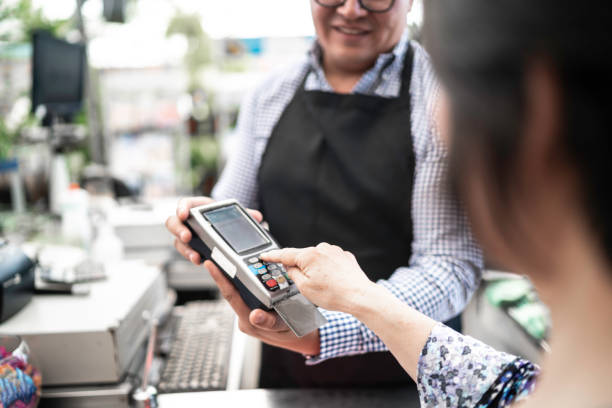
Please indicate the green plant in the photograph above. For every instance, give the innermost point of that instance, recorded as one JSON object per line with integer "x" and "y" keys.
{"x": 18, "y": 21}
{"x": 12, "y": 125}
{"x": 6, "y": 140}
{"x": 204, "y": 158}
{"x": 29, "y": 19}
{"x": 198, "y": 45}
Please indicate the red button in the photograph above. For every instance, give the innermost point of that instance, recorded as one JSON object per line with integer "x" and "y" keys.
{"x": 271, "y": 283}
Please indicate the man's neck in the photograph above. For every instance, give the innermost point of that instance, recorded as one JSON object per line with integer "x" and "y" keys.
{"x": 343, "y": 79}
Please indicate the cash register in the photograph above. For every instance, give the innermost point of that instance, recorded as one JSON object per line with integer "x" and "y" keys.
{"x": 91, "y": 348}
{"x": 16, "y": 280}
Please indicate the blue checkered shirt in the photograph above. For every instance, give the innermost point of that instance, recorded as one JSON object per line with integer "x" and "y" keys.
{"x": 444, "y": 269}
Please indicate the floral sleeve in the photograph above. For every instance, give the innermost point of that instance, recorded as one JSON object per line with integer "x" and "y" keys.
{"x": 459, "y": 371}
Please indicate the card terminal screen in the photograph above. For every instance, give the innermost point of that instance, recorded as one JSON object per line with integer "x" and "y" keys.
{"x": 236, "y": 229}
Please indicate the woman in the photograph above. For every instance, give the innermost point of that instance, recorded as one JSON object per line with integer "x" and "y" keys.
{"x": 528, "y": 114}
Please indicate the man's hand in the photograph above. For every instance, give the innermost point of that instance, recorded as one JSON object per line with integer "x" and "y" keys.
{"x": 181, "y": 233}
{"x": 266, "y": 326}
{"x": 327, "y": 275}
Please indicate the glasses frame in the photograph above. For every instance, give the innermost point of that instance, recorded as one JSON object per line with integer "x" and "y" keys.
{"x": 341, "y": 3}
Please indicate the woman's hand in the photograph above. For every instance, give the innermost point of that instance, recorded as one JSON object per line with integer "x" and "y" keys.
{"x": 327, "y": 275}
{"x": 332, "y": 279}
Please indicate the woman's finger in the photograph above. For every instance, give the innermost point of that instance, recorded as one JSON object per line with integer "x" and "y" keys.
{"x": 297, "y": 276}
{"x": 286, "y": 256}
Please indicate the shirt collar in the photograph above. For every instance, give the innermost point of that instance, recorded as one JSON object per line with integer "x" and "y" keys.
{"x": 315, "y": 55}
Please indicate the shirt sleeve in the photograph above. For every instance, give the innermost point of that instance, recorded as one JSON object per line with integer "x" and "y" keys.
{"x": 459, "y": 371}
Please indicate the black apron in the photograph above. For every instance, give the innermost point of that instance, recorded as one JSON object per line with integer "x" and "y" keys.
{"x": 339, "y": 168}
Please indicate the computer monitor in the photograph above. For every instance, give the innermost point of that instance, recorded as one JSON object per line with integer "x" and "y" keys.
{"x": 114, "y": 10}
{"x": 58, "y": 76}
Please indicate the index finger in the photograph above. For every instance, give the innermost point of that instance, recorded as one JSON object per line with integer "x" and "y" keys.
{"x": 286, "y": 256}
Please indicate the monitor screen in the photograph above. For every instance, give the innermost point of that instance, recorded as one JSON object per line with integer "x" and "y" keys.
{"x": 114, "y": 10}
{"x": 236, "y": 229}
{"x": 58, "y": 73}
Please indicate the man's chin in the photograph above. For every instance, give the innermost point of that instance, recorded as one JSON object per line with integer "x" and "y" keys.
{"x": 352, "y": 60}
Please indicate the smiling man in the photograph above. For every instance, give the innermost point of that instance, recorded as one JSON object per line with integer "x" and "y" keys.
{"x": 341, "y": 148}
{"x": 354, "y": 35}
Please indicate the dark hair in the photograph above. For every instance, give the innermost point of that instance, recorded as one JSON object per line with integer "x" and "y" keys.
{"x": 481, "y": 49}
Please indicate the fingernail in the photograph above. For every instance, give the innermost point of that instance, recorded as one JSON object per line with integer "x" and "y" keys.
{"x": 184, "y": 236}
{"x": 259, "y": 319}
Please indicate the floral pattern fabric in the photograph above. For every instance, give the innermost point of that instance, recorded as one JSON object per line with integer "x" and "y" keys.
{"x": 20, "y": 382}
{"x": 460, "y": 371}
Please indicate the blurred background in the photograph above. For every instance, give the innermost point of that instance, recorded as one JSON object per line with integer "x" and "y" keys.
{"x": 109, "y": 111}
{"x": 155, "y": 95}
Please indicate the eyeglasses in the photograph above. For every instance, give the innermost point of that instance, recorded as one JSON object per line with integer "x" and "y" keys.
{"x": 374, "y": 6}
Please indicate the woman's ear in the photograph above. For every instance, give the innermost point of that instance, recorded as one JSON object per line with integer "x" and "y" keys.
{"x": 544, "y": 201}
{"x": 542, "y": 129}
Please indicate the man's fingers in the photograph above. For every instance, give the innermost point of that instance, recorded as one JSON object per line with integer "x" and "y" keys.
{"x": 185, "y": 204}
{"x": 187, "y": 252}
{"x": 255, "y": 214}
{"x": 228, "y": 291}
{"x": 178, "y": 229}
{"x": 267, "y": 321}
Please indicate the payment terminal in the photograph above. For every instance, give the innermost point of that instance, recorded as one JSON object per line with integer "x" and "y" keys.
{"x": 225, "y": 233}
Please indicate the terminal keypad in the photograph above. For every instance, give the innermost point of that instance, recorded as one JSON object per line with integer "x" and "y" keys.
{"x": 272, "y": 275}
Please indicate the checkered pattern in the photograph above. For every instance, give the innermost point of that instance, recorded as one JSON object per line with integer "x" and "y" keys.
{"x": 444, "y": 269}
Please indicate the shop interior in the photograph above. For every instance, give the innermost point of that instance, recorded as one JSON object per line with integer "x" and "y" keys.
{"x": 110, "y": 111}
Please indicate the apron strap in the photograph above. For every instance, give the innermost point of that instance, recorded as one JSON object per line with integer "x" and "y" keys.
{"x": 407, "y": 71}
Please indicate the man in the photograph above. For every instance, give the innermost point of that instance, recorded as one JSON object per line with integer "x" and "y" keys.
{"x": 342, "y": 149}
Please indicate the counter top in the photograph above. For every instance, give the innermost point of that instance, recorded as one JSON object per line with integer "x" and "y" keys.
{"x": 406, "y": 397}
